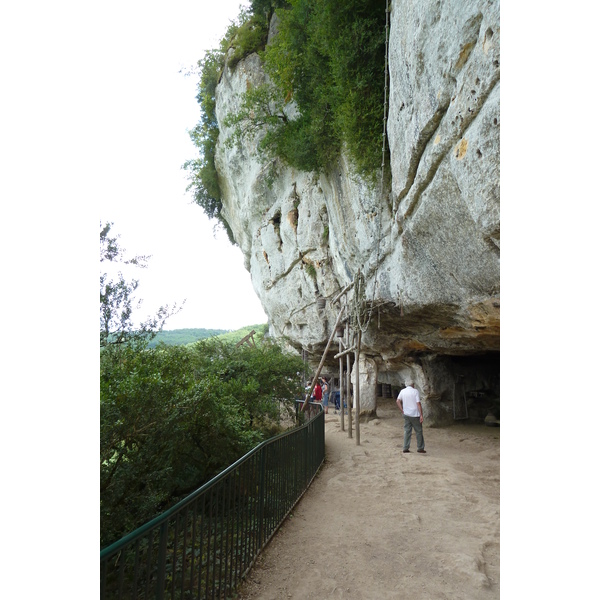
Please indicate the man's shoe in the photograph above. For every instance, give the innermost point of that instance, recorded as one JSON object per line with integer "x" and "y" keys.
{"x": 405, "y": 450}
{"x": 422, "y": 451}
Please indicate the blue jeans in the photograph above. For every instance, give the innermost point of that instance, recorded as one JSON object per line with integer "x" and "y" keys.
{"x": 409, "y": 423}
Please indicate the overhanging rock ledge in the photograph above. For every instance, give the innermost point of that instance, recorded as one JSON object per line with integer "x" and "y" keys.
{"x": 429, "y": 249}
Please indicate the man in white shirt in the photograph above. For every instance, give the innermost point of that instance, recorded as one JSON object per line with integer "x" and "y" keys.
{"x": 410, "y": 404}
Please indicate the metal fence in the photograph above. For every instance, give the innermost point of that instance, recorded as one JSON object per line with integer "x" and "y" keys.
{"x": 203, "y": 546}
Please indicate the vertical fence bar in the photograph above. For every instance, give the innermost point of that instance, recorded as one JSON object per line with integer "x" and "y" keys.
{"x": 136, "y": 569}
{"x": 238, "y": 524}
{"x": 245, "y": 529}
{"x": 193, "y": 547}
{"x": 250, "y": 508}
{"x": 215, "y": 557}
{"x": 221, "y": 523}
{"x": 201, "y": 569}
{"x": 228, "y": 541}
{"x": 149, "y": 562}
{"x": 103, "y": 575}
{"x": 261, "y": 497}
{"x": 121, "y": 562}
{"x": 162, "y": 559}
{"x": 184, "y": 550}
{"x": 174, "y": 557}
{"x": 208, "y": 536}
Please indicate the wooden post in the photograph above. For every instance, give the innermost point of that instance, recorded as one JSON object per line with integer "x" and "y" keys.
{"x": 247, "y": 339}
{"x": 348, "y": 287}
{"x": 348, "y": 381}
{"x": 357, "y": 388}
{"x": 344, "y": 352}
{"x": 316, "y": 377}
{"x": 340, "y": 386}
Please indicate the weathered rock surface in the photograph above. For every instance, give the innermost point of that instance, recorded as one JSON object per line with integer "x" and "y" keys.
{"x": 428, "y": 248}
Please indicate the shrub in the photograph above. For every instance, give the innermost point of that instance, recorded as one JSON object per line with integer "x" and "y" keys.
{"x": 173, "y": 417}
{"x": 328, "y": 57}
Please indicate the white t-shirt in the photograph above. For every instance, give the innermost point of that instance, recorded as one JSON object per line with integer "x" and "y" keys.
{"x": 410, "y": 397}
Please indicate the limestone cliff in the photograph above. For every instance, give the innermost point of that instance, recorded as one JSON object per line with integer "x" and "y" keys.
{"x": 428, "y": 247}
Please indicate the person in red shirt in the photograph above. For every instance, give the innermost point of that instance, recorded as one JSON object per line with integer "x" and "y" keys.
{"x": 318, "y": 392}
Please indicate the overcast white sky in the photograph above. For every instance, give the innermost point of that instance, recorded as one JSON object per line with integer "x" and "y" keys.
{"x": 150, "y": 107}
{"x": 94, "y": 120}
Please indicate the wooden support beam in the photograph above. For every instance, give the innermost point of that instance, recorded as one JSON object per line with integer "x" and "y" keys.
{"x": 247, "y": 338}
{"x": 316, "y": 377}
{"x": 342, "y": 424}
{"x": 344, "y": 352}
{"x": 348, "y": 287}
{"x": 357, "y": 388}
{"x": 348, "y": 382}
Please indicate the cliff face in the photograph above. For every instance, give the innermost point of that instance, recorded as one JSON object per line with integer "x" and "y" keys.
{"x": 427, "y": 246}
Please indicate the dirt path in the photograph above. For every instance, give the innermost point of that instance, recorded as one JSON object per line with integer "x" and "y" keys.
{"x": 380, "y": 524}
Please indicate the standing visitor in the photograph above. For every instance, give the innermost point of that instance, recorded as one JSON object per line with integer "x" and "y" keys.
{"x": 318, "y": 392}
{"x": 410, "y": 404}
{"x": 325, "y": 388}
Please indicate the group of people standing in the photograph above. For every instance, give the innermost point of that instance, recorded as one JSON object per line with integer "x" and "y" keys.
{"x": 321, "y": 393}
{"x": 408, "y": 402}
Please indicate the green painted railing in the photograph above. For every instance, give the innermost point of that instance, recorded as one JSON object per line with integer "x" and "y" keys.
{"x": 205, "y": 545}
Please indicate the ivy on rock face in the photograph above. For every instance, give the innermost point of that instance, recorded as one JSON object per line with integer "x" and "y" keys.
{"x": 328, "y": 58}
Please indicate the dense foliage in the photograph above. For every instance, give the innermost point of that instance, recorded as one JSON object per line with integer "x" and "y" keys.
{"x": 245, "y": 35}
{"x": 173, "y": 417}
{"x": 328, "y": 57}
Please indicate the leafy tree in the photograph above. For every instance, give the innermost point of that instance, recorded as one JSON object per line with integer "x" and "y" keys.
{"x": 245, "y": 35}
{"x": 173, "y": 417}
{"x": 117, "y": 298}
{"x": 202, "y": 173}
{"x": 328, "y": 57}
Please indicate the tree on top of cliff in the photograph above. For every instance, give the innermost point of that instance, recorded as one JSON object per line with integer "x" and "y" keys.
{"x": 117, "y": 298}
{"x": 328, "y": 57}
{"x": 244, "y": 36}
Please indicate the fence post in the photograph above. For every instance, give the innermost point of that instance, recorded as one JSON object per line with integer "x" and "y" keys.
{"x": 261, "y": 495}
{"x": 162, "y": 559}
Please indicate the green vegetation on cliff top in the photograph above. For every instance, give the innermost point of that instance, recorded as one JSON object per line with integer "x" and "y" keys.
{"x": 328, "y": 57}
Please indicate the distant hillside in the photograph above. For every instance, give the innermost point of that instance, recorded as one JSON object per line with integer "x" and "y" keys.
{"x": 240, "y": 334}
{"x": 178, "y": 337}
